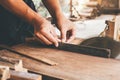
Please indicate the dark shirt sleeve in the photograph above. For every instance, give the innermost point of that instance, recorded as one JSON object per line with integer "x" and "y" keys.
{"x": 13, "y": 29}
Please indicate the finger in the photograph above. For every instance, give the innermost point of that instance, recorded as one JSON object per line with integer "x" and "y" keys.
{"x": 38, "y": 39}
{"x": 71, "y": 37}
{"x": 51, "y": 38}
{"x": 56, "y": 37}
{"x": 43, "y": 39}
{"x": 63, "y": 35}
{"x": 54, "y": 33}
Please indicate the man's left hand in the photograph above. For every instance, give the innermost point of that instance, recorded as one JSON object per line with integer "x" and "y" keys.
{"x": 67, "y": 29}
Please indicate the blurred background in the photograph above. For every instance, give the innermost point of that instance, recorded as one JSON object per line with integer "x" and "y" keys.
{"x": 89, "y": 16}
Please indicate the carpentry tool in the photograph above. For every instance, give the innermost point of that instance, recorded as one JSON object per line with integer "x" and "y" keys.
{"x": 88, "y": 50}
{"x": 41, "y": 59}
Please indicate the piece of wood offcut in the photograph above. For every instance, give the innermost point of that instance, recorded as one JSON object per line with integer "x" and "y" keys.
{"x": 110, "y": 29}
{"x": 16, "y": 75}
{"x": 117, "y": 28}
{"x": 4, "y": 72}
{"x": 13, "y": 63}
{"x": 72, "y": 66}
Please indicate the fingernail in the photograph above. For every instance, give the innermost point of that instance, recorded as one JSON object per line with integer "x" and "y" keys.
{"x": 63, "y": 40}
{"x": 56, "y": 45}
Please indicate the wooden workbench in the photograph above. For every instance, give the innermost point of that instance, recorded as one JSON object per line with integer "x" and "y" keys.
{"x": 71, "y": 66}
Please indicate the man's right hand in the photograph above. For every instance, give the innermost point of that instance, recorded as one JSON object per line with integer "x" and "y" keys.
{"x": 45, "y": 31}
{"x": 42, "y": 28}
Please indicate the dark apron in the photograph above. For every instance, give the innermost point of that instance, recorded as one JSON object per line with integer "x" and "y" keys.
{"x": 13, "y": 30}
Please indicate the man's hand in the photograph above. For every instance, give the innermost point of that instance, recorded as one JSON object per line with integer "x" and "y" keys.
{"x": 44, "y": 30}
{"x": 66, "y": 28}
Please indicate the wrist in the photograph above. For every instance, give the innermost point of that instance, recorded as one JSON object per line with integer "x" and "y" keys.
{"x": 58, "y": 17}
{"x": 33, "y": 17}
{"x": 37, "y": 20}
{"x": 30, "y": 16}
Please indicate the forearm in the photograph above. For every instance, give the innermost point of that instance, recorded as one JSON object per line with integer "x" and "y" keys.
{"x": 54, "y": 8}
{"x": 43, "y": 29}
{"x": 19, "y": 8}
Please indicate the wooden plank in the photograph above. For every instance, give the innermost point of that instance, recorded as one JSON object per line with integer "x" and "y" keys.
{"x": 20, "y": 74}
{"x": 4, "y": 72}
{"x": 72, "y": 66}
{"x": 13, "y": 63}
{"x": 42, "y": 59}
{"x": 16, "y": 75}
{"x": 110, "y": 30}
{"x": 117, "y": 28}
{"x": 7, "y": 74}
{"x": 11, "y": 66}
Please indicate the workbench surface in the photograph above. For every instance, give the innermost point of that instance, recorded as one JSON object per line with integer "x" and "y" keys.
{"x": 71, "y": 66}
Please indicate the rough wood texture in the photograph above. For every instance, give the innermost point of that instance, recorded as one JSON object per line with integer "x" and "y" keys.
{"x": 42, "y": 59}
{"x": 72, "y": 66}
{"x": 4, "y": 73}
{"x": 13, "y": 63}
{"x": 117, "y": 28}
{"x": 110, "y": 29}
{"x": 7, "y": 74}
{"x": 15, "y": 75}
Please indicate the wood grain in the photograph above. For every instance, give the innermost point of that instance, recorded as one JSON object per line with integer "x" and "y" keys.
{"x": 4, "y": 73}
{"x": 13, "y": 63}
{"x": 16, "y": 75}
{"x": 41, "y": 59}
{"x": 72, "y": 66}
